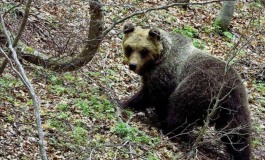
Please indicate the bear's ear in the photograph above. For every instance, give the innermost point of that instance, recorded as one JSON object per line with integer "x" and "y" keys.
{"x": 128, "y": 28}
{"x": 154, "y": 33}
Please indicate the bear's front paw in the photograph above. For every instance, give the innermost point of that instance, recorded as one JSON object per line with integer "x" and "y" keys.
{"x": 128, "y": 104}
{"x": 124, "y": 104}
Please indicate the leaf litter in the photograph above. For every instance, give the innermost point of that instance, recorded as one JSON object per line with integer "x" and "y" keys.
{"x": 79, "y": 120}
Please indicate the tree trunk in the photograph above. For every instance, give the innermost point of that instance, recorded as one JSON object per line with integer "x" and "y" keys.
{"x": 225, "y": 15}
{"x": 94, "y": 38}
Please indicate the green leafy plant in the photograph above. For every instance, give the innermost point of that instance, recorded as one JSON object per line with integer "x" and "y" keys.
{"x": 7, "y": 6}
{"x": 56, "y": 85}
{"x": 7, "y": 82}
{"x": 191, "y": 32}
{"x": 111, "y": 74}
{"x": 198, "y": 43}
{"x": 207, "y": 29}
{"x": 93, "y": 74}
{"x": 152, "y": 156}
{"x": 64, "y": 115}
{"x": 260, "y": 86}
{"x": 256, "y": 4}
{"x": 55, "y": 124}
{"x": 262, "y": 108}
{"x": 54, "y": 80}
{"x": 95, "y": 105}
{"x": 29, "y": 49}
{"x": 83, "y": 104}
{"x": 187, "y": 31}
{"x": 121, "y": 129}
{"x": 79, "y": 123}
{"x": 256, "y": 142}
{"x": 10, "y": 118}
{"x": 217, "y": 29}
{"x": 30, "y": 102}
{"x": 130, "y": 133}
{"x": 228, "y": 35}
{"x": 80, "y": 135}
{"x": 216, "y": 26}
{"x": 62, "y": 107}
{"x": 57, "y": 89}
{"x": 230, "y": 45}
{"x": 69, "y": 77}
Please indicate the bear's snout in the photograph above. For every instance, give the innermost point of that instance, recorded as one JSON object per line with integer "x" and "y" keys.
{"x": 132, "y": 66}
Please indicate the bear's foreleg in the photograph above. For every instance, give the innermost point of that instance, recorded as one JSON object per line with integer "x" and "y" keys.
{"x": 138, "y": 101}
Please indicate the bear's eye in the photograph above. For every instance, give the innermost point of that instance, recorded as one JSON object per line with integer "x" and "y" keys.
{"x": 144, "y": 52}
{"x": 128, "y": 51}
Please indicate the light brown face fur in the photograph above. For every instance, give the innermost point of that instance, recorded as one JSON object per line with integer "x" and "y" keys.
{"x": 141, "y": 50}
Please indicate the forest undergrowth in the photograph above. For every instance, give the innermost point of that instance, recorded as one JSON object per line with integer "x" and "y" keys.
{"x": 80, "y": 120}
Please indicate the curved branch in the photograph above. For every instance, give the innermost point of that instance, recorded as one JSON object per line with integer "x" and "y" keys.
{"x": 93, "y": 41}
{"x": 95, "y": 36}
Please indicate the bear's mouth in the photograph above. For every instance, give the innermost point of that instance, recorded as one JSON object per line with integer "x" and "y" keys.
{"x": 135, "y": 70}
{"x": 147, "y": 67}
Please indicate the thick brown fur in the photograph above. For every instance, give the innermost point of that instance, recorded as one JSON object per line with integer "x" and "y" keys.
{"x": 183, "y": 84}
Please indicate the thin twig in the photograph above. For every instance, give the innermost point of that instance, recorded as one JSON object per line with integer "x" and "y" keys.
{"x": 13, "y": 8}
{"x": 153, "y": 9}
{"x": 10, "y": 62}
{"x": 21, "y": 29}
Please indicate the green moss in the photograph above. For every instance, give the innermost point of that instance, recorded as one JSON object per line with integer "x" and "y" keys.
{"x": 29, "y": 50}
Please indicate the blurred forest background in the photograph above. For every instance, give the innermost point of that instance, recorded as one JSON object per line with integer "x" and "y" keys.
{"x": 70, "y": 73}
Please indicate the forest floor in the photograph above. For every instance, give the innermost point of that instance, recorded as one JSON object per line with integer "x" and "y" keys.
{"x": 79, "y": 118}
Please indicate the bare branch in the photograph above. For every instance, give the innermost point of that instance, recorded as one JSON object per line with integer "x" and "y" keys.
{"x": 10, "y": 62}
{"x": 13, "y": 8}
{"x": 153, "y": 9}
{"x": 27, "y": 83}
{"x": 95, "y": 36}
{"x": 21, "y": 28}
{"x": 92, "y": 44}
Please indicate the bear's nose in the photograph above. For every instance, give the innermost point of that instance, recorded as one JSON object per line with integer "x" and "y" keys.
{"x": 132, "y": 67}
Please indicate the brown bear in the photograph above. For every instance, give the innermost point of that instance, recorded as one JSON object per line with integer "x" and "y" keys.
{"x": 187, "y": 87}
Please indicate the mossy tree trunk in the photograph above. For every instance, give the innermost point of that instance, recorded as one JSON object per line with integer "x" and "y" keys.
{"x": 225, "y": 15}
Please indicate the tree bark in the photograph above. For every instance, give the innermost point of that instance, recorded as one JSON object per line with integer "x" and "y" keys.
{"x": 225, "y": 15}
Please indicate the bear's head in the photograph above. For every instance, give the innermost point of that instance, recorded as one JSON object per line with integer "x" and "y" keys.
{"x": 142, "y": 48}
